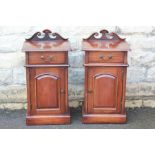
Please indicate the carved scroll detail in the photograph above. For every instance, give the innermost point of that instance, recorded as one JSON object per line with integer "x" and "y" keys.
{"x": 104, "y": 35}
{"x": 46, "y": 36}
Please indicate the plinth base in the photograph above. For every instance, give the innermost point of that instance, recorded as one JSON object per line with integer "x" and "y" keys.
{"x": 48, "y": 120}
{"x": 103, "y": 118}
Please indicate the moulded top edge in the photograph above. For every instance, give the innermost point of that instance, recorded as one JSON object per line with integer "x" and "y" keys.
{"x": 105, "y": 46}
{"x": 45, "y": 46}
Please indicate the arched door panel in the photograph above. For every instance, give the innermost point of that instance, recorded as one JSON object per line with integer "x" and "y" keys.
{"x": 47, "y": 91}
{"x": 104, "y": 90}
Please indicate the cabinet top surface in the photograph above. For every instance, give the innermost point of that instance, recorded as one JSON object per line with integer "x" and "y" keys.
{"x": 47, "y": 41}
{"x": 105, "y": 41}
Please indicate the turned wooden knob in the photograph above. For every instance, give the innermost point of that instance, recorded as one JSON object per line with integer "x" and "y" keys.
{"x": 50, "y": 58}
{"x": 62, "y": 91}
{"x": 42, "y": 57}
{"x": 90, "y": 91}
{"x": 101, "y": 56}
{"x": 110, "y": 56}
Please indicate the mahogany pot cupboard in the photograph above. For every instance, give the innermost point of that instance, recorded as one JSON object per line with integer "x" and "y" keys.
{"x": 105, "y": 78}
{"x": 47, "y": 79}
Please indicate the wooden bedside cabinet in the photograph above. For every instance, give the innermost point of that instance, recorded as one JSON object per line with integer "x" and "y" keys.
{"x": 105, "y": 78}
{"x": 47, "y": 79}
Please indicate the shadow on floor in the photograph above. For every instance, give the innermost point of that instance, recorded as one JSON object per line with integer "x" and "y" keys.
{"x": 138, "y": 118}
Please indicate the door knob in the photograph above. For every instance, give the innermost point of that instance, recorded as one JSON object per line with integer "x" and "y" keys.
{"x": 90, "y": 91}
{"x": 62, "y": 91}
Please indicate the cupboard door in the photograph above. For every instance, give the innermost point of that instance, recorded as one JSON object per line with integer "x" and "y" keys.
{"x": 104, "y": 89}
{"x": 47, "y": 90}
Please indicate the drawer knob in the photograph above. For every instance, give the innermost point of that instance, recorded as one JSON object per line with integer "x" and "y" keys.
{"x": 110, "y": 56}
{"x": 50, "y": 58}
{"x": 101, "y": 56}
{"x": 42, "y": 57}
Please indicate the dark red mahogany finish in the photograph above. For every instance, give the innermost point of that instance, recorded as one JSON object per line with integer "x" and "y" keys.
{"x": 47, "y": 79}
{"x": 105, "y": 78}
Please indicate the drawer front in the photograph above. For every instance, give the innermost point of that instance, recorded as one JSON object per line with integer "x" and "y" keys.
{"x": 47, "y": 58}
{"x": 106, "y": 57}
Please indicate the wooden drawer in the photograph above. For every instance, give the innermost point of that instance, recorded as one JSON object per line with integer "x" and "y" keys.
{"x": 47, "y": 58}
{"x": 101, "y": 57}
